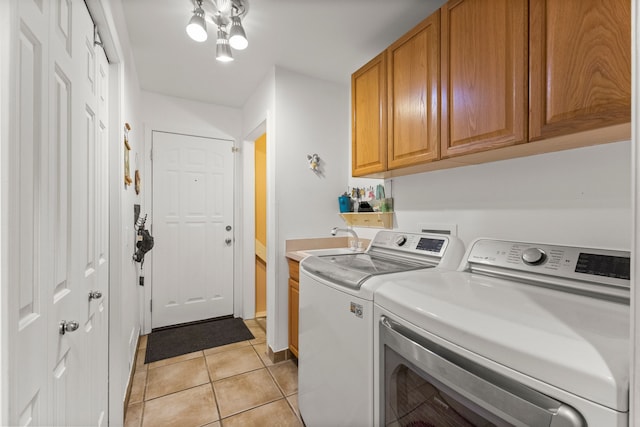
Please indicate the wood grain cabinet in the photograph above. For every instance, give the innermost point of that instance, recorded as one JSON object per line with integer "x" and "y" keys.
{"x": 580, "y": 65}
{"x": 479, "y": 80}
{"x": 413, "y": 95}
{"x": 369, "y": 117}
{"x": 294, "y": 298}
{"x": 484, "y": 75}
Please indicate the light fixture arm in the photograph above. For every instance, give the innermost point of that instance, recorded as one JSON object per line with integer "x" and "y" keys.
{"x": 227, "y": 16}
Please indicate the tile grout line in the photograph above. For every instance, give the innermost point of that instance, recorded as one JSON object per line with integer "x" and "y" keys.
{"x": 252, "y": 370}
{"x": 213, "y": 389}
{"x": 295, "y": 413}
{"x": 211, "y": 382}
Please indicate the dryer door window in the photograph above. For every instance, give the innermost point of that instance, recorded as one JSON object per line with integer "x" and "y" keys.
{"x": 413, "y": 400}
{"x": 424, "y": 384}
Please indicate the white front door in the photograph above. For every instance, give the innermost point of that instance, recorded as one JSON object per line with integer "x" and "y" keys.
{"x": 59, "y": 218}
{"x": 192, "y": 272}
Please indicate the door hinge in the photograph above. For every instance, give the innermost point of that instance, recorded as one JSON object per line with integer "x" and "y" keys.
{"x": 150, "y": 305}
{"x": 235, "y": 149}
{"x": 151, "y": 154}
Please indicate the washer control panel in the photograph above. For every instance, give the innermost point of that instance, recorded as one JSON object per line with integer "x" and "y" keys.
{"x": 586, "y": 264}
{"x": 414, "y": 243}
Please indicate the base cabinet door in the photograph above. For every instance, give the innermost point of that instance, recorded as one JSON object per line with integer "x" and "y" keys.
{"x": 294, "y": 298}
{"x": 580, "y": 65}
{"x": 484, "y": 75}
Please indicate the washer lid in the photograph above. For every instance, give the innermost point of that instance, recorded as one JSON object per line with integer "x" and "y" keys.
{"x": 351, "y": 270}
{"x": 574, "y": 342}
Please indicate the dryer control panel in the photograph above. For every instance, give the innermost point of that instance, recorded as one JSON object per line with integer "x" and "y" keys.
{"x": 603, "y": 266}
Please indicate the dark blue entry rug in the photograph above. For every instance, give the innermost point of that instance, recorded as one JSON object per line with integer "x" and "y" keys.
{"x": 182, "y": 339}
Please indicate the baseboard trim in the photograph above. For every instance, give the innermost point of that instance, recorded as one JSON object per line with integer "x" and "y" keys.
{"x": 279, "y": 356}
{"x": 132, "y": 372}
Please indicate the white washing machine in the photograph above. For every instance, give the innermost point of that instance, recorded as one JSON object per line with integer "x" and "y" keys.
{"x": 524, "y": 334}
{"x": 336, "y": 323}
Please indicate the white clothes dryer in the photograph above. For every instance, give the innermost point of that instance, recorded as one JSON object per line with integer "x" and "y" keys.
{"x": 524, "y": 334}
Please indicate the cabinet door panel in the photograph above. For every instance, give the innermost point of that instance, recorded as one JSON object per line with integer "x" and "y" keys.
{"x": 413, "y": 87}
{"x": 484, "y": 75}
{"x": 369, "y": 117}
{"x": 580, "y": 65}
{"x": 294, "y": 298}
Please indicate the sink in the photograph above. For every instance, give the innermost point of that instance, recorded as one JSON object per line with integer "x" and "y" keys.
{"x": 331, "y": 251}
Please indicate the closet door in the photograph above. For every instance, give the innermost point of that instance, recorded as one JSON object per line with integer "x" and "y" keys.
{"x": 57, "y": 187}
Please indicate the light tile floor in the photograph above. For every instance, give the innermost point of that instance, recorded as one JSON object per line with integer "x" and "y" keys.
{"x": 232, "y": 385}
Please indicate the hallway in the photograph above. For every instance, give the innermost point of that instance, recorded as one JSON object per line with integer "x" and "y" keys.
{"x": 232, "y": 385}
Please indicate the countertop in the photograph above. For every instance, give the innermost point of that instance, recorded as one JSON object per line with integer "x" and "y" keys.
{"x": 295, "y": 248}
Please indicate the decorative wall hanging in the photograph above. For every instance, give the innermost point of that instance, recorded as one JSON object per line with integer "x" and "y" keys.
{"x": 136, "y": 176}
{"x": 137, "y": 181}
{"x": 314, "y": 162}
{"x": 127, "y": 148}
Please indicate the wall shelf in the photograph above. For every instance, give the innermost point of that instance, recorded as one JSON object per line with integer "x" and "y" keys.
{"x": 369, "y": 219}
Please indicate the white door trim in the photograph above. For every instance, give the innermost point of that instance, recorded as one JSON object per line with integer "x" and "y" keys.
{"x": 7, "y": 8}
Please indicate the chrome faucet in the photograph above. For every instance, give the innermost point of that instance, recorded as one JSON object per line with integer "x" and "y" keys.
{"x": 356, "y": 241}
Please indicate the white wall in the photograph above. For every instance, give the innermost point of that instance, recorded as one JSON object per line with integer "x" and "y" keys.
{"x": 161, "y": 112}
{"x": 257, "y": 117}
{"x": 575, "y": 197}
{"x": 303, "y": 115}
{"x": 124, "y": 295}
{"x": 311, "y": 116}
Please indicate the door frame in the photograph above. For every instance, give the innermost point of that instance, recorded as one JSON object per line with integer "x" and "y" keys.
{"x": 147, "y": 178}
{"x": 249, "y": 222}
{"x": 6, "y": 41}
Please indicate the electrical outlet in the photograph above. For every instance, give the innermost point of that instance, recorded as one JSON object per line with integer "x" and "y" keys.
{"x": 450, "y": 229}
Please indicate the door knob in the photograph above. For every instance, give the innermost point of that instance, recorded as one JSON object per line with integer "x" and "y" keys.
{"x": 95, "y": 295}
{"x": 227, "y": 241}
{"x": 70, "y": 326}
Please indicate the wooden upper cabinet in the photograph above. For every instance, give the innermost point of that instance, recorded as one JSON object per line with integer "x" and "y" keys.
{"x": 413, "y": 94}
{"x": 369, "y": 117}
{"x": 580, "y": 65}
{"x": 484, "y": 75}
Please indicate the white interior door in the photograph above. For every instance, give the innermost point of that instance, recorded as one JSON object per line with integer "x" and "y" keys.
{"x": 59, "y": 184}
{"x": 192, "y": 269}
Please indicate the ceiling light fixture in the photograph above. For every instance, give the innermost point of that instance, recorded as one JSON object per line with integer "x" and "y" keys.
{"x": 227, "y": 16}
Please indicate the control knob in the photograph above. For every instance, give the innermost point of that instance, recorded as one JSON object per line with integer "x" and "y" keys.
{"x": 533, "y": 256}
{"x": 401, "y": 240}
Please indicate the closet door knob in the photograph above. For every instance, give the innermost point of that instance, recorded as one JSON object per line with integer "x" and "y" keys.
{"x": 70, "y": 326}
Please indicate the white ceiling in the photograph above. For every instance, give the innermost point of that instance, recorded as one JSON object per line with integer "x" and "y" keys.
{"x": 326, "y": 39}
